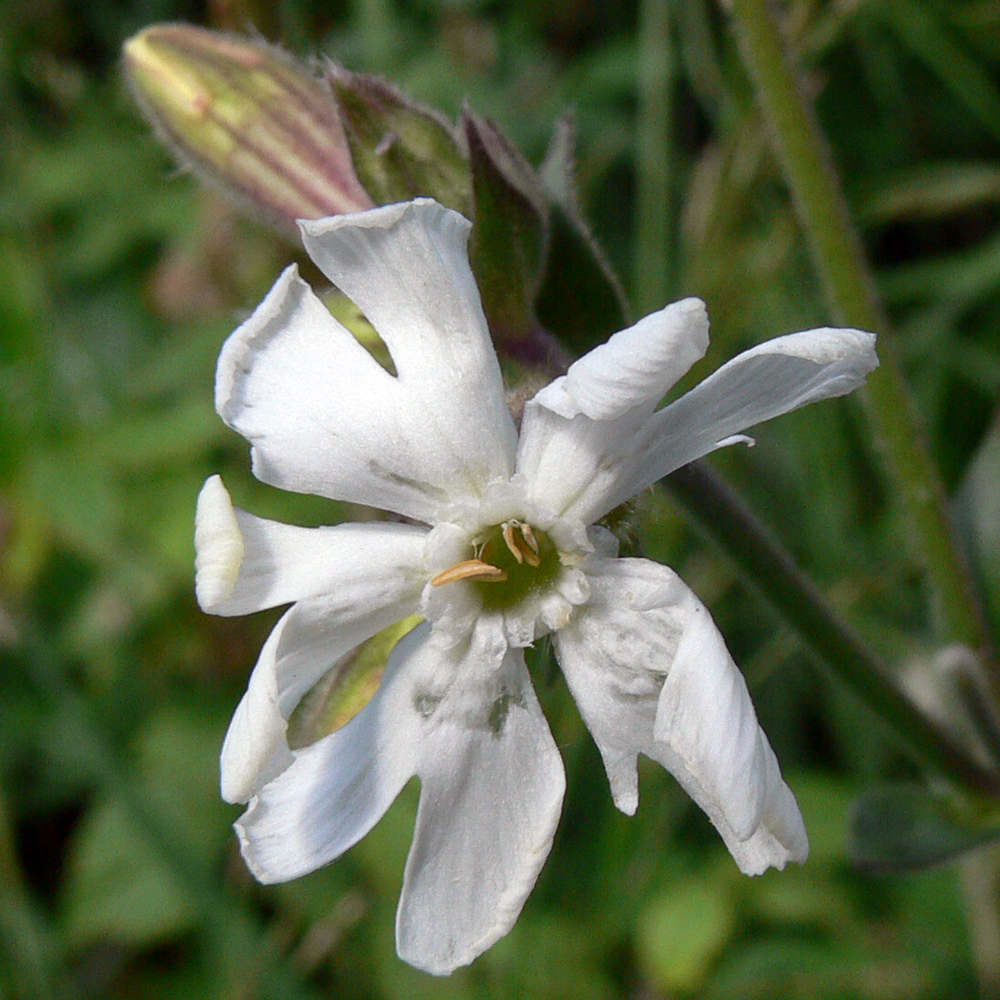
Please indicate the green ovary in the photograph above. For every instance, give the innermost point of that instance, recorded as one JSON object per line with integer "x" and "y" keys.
{"x": 522, "y": 577}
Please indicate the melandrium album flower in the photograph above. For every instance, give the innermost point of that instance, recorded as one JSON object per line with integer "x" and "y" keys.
{"x": 505, "y": 550}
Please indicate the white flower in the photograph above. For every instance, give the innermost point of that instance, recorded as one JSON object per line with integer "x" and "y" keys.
{"x": 505, "y": 551}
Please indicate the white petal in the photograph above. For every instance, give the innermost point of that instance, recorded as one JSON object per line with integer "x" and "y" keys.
{"x": 307, "y": 642}
{"x": 576, "y": 431}
{"x": 573, "y": 466}
{"x": 651, "y": 675}
{"x": 773, "y": 378}
{"x": 338, "y": 788}
{"x": 719, "y": 752}
{"x": 256, "y": 749}
{"x": 313, "y": 403}
{"x": 583, "y": 468}
{"x": 323, "y": 417}
{"x": 406, "y": 267}
{"x": 635, "y": 367}
{"x": 492, "y": 784}
{"x": 467, "y": 722}
{"x": 280, "y": 563}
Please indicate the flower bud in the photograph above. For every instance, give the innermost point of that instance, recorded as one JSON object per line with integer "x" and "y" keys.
{"x": 952, "y": 688}
{"x": 246, "y": 118}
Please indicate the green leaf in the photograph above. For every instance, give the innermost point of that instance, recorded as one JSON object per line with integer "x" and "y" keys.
{"x": 825, "y": 803}
{"x": 930, "y": 191}
{"x": 979, "y": 508}
{"x": 931, "y": 41}
{"x": 119, "y": 887}
{"x": 899, "y": 828}
{"x": 680, "y": 933}
{"x": 554, "y": 957}
{"x": 400, "y": 149}
{"x": 799, "y": 897}
{"x": 346, "y": 688}
{"x": 509, "y": 239}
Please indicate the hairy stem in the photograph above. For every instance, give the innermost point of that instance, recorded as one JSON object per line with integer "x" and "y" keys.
{"x": 653, "y": 256}
{"x": 841, "y": 264}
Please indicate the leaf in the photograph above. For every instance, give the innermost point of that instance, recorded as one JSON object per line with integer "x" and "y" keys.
{"x": 979, "y": 508}
{"x": 120, "y": 888}
{"x": 552, "y": 956}
{"x": 899, "y": 828}
{"x": 799, "y": 897}
{"x": 930, "y": 191}
{"x": 931, "y": 41}
{"x": 679, "y": 933}
{"x": 346, "y": 687}
{"x": 825, "y": 802}
{"x": 510, "y": 234}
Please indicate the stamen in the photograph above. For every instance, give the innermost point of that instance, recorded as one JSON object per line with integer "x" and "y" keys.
{"x": 511, "y": 540}
{"x": 471, "y": 569}
{"x": 525, "y": 548}
{"x": 530, "y": 553}
{"x": 529, "y": 537}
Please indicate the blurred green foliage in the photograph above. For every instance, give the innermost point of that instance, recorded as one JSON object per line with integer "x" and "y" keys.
{"x": 119, "y": 282}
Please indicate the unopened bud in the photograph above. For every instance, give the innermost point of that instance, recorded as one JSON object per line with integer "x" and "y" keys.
{"x": 952, "y": 688}
{"x": 246, "y": 118}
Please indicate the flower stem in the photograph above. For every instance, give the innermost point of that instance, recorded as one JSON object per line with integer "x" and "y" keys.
{"x": 763, "y": 560}
{"x": 840, "y": 262}
{"x": 653, "y": 252}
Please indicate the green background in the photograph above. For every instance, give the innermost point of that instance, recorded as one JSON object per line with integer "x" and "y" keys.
{"x": 119, "y": 280}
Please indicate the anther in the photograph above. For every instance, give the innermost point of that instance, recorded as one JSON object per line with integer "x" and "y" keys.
{"x": 471, "y": 569}
{"x": 530, "y": 546}
{"x": 511, "y": 540}
{"x": 529, "y": 537}
{"x": 525, "y": 548}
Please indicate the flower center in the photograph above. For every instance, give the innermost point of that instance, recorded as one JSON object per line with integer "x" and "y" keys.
{"x": 511, "y": 560}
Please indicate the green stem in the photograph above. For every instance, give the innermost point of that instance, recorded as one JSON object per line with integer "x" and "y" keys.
{"x": 771, "y": 568}
{"x": 651, "y": 266}
{"x": 840, "y": 261}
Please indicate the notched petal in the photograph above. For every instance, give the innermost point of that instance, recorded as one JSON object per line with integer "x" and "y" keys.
{"x": 336, "y": 789}
{"x": 490, "y": 801}
{"x": 636, "y": 367}
{"x": 651, "y": 675}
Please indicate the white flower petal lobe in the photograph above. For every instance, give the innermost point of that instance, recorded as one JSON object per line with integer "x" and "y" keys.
{"x": 651, "y": 675}
{"x": 308, "y": 641}
{"x": 492, "y": 785}
{"x": 636, "y": 367}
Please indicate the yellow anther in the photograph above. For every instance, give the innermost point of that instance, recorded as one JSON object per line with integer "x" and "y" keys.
{"x": 525, "y": 548}
{"x": 511, "y": 539}
{"x": 471, "y": 569}
{"x": 529, "y": 557}
{"x": 529, "y": 537}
